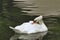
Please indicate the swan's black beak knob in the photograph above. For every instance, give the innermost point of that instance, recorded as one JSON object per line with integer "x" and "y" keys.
{"x": 35, "y": 21}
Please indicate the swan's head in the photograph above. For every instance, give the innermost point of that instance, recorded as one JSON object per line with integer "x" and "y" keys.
{"x": 38, "y": 18}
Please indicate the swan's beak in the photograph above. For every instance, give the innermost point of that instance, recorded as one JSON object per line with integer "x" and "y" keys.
{"x": 32, "y": 22}
{"x": 35, "y": 21}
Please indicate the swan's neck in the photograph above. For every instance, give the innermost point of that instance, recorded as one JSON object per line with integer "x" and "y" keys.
{"x": 41, "y": 22}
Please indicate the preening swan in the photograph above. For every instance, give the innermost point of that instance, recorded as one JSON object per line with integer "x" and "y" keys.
{"x": 35, "y": 27}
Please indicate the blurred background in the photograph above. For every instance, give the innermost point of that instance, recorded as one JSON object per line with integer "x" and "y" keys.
{"x": 12, "y": 15}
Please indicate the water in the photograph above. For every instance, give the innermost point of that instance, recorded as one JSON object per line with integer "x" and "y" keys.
{"x": 44, "y": 7}
{"x": 47, "y": 7}
{"x": 52, "y": 22}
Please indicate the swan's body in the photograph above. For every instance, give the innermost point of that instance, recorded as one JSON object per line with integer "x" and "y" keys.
{"x": 31, "y": 28}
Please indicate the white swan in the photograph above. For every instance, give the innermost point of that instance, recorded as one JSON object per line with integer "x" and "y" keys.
{"x": 34, "y": 29}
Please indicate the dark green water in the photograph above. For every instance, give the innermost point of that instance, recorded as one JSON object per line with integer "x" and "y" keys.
{"x": 52, "y": 22}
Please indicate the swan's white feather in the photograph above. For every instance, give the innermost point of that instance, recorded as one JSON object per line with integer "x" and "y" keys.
{"x": 31, "y": 28}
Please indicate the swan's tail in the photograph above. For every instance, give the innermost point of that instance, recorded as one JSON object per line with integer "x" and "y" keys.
{"x": 15, "y": 30}
{"x": 11, "y": 27}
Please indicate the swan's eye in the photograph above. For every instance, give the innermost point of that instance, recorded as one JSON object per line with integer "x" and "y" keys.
{"x": 38, "y": 22}
{"x": 34, "y": 20}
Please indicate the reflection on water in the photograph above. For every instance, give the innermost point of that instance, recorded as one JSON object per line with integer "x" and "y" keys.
{"x": 52, "y": 22}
